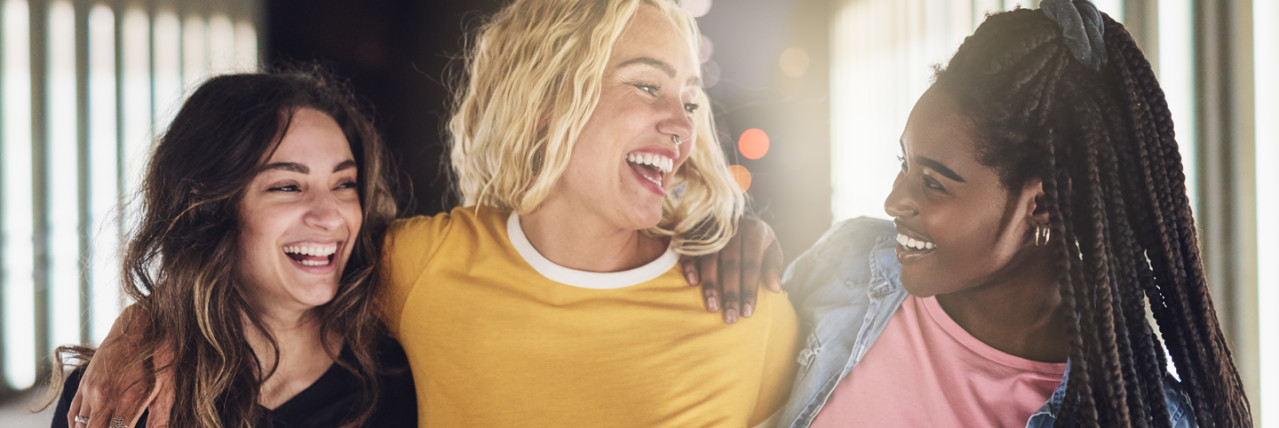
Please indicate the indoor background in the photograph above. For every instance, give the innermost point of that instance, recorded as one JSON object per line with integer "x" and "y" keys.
{"x": 810, "y": 97}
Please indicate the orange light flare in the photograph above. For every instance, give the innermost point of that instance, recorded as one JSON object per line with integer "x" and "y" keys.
{"x": 742, "y": 176}
{"x": 753, "y": 144}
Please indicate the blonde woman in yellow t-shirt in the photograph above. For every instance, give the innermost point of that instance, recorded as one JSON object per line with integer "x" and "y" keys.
{"x": 588, "y": 164}
{"x": 588, "y": 167}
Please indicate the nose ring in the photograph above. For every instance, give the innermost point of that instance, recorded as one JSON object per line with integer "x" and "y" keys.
{"x": 675, "y": 139}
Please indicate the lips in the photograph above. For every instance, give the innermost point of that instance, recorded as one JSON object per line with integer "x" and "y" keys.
{"x": 312, "y": 254}
{"x": 912, "y": 245}
{"x": 651, "y": 166}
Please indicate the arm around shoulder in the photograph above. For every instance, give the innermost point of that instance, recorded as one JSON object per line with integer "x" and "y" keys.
{"x": 844, "y": 250}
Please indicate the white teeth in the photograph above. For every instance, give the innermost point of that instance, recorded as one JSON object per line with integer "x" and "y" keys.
{"x": 914, "y": 244}
{"x": 662, "y": 163}
{"x": 313, "y": 250}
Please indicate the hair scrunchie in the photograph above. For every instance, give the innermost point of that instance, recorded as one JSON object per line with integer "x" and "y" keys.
{"x": 1081, "y": 29}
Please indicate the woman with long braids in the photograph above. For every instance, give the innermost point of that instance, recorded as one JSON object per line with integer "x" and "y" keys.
{"x": 1041, "y": 204}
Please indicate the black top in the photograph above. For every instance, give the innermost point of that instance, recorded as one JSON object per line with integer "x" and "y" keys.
{"x": 326, "y": 403}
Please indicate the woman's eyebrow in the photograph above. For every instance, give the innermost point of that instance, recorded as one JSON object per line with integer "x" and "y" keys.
{"x": 650, "y": 61}
{"x": 303, "y": 169}
{"x": 660, "y": 65}
{"x": 939, "y": 167}
{"x": 346, "y": 164}
{"x": 287, "y": 166}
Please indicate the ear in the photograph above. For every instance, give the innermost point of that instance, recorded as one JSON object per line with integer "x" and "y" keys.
{"x": 1032, "y": 195}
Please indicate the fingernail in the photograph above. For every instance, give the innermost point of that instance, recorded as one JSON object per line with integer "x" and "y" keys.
{"x": 730, "y": 316}
{"x": 775, "y": 285}
{"x": 748, "y": 310}
{"x": 691, "y": 276}
{"x": 712, "y": 304}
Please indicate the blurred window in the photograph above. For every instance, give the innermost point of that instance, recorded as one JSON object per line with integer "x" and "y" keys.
{"x": 84, "y": 87}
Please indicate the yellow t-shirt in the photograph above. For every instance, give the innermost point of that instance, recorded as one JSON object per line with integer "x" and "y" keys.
{"x": 498, "y": 336}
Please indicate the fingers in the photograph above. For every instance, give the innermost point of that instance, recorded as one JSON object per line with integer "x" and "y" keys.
{"x": 708, "y": 267}
{"x": 689, "y": 265}
{"x": 77, "y": 409}
{"x": 124, "y": 405}
{"x": 754, "y": 243}
{"x": 773, "y": 261}
{"x": 91, "y": 396}
{"x": 162, "y": 395}
{"x": 730, "y": 281}
{"x": 731, "y": 278}
{"x": 159, "y": 410}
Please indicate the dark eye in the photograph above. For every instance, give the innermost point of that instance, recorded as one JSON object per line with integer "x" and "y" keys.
{"x": 348, "y": 185}
{"x": 285, "y": 188}
{"x": 932, "y": 183}
{"x": 691, "y": 107}
{"x": 650, "y": 89}
{"x": 902, "y": 160}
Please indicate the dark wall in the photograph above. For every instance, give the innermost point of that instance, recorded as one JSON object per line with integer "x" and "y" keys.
{"x": 395, "y": 54}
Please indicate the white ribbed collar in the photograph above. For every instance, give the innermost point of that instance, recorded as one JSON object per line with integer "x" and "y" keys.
{"x": 580, "y": 278}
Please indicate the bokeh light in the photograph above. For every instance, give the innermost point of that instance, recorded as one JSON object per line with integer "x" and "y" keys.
{"x": 753, "y": 143}
{"x": 697, "y": 8}
{"x": 704, "y": 49}
{"x": 710, "y": 74}
{"x": 742, "y": 176}
{"x": 794, "y": 61}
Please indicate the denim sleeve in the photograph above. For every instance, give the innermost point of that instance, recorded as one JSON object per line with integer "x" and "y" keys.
{"x": 1179, "y": 411}
{"x": 840, "y": 255}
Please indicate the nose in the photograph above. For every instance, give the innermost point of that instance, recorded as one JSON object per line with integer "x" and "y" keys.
{"x": 322, "y": 211}
{"x": 676, "y": 120}
{"x": 900, "y": 203}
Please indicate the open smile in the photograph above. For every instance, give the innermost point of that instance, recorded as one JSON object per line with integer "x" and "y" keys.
{"x": 653, "y": 168}
{"x": 911, "y": 246}
{"x": 312, "y": 254}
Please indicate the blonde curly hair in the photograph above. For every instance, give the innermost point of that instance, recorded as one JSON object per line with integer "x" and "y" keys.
{"x": 533, "y": 78}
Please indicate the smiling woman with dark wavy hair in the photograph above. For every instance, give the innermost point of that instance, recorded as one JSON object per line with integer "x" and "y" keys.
{"x": 253, "y": 266}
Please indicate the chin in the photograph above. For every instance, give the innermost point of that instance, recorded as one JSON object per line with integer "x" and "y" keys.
{"x": 645, "y": 218}
{"x": 318, "y": 297}
{"x": 914, "y": 287}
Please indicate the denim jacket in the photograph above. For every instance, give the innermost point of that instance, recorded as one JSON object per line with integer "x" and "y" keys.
{"x": 845, "y": 289}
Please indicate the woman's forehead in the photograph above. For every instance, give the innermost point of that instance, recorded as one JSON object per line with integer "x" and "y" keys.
{"x": 650, "y": 33}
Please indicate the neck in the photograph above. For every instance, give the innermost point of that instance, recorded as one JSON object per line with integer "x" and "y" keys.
{"x": 303, "y": 355}
{"x": 1020, "y": 313}
{"x": 573, "y": 240}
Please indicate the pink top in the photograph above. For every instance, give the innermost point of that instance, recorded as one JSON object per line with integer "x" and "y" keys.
{"x": 926, "y": 371}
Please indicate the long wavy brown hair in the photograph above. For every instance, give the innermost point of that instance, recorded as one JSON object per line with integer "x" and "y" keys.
{"x": 181, "y": 261}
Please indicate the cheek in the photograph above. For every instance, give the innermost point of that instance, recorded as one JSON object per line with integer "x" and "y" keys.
{"x": 262, "y": 226}
{"x": 589, "y": 153}
{"x": 974, "y": 242}
{"x": 686, "y": 151}
{"x": 354, "y": 215}
{"x": 254, "y": 229}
